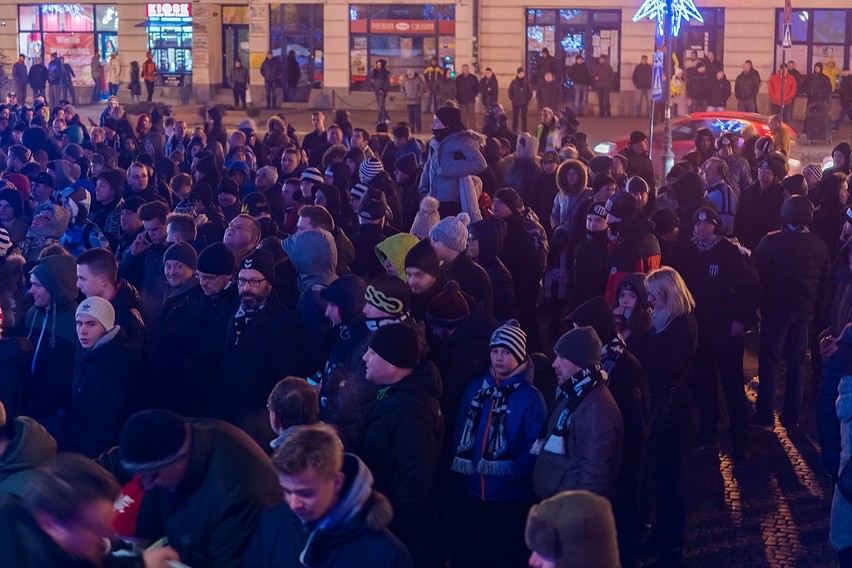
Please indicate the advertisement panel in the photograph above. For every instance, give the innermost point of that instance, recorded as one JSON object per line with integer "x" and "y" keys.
{"x": 77, "y": 49}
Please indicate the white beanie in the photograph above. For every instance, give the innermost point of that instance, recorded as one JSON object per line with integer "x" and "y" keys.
{"x": 99, "y": 309}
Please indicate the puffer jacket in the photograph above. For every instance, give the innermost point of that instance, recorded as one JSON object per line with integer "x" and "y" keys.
{"x": 413, "y": 89}
{"x": 593, "y": 449}
{"x": 456, "y": 156}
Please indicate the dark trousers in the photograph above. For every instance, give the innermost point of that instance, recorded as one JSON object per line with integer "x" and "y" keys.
{"x": 414, "y": 117}
{"x": 55, "y": 93}
{"x": 96, "y": 90}
{"x": 240, "y": 95}
{"x": 720, "y": 356}
{"x": 68, "y": 93}
{"x": 468, "y": 111}
{"x": 149, "y": 85}
{"x": 39, "y": 93}
{"x": 432, "y": 100}
{"x": 382, "y": 113}
{"x": 788, "y": 111}
{"x": 113, "y": 89}
{"x": 21, "y": 91}
{"x": 483, "y": 534}
{"x": 519, "y": 112}
{"x": 604, "y": 108}
{"x": 845, "y": 112}
{"x": 782, "y": 335}
{"x": 271, "y": 94}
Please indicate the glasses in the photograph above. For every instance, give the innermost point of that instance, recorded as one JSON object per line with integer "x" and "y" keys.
{"x": 250, "y": 282}
{"x": 207, "y": 277}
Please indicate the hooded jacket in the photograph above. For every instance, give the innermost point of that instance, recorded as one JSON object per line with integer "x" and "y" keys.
{"x": 570, "y": 203}
{"x": 354, "y": 533}
{"x": 29, "y": 448}
{"x": 127, "y": 305}
{"x": 637, "y": 250}
{"x": 455, "y": 157}
{"x": 39, "y": 238}
{"x": 491, "y": 234}
{"x": 52, "y": 330}
{"x": 402, "y": 441}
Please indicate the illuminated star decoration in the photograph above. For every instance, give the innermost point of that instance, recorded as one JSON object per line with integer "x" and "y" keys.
{"x": 680, "y": 10}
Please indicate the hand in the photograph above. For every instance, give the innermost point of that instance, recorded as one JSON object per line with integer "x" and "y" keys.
{"x": 140, "y": 244}
{"x": 827, "y": 346}
{"x": 619, "y": 311}
{"x": 160, "y": 557}
{"x": 737, "y": 329}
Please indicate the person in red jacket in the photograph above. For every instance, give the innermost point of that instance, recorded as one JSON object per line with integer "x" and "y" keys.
{"x": 775, "y": 82}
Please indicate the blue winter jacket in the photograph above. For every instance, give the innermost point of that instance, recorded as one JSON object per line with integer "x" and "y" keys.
{"x": 526, "y": 415}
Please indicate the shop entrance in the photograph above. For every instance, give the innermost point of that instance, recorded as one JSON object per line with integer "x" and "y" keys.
{"x": 235, "y": 39}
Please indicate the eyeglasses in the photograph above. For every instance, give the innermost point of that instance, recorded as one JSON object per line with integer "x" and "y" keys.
{"x": 250, "y": 282}
{"x": 207, "y": 277}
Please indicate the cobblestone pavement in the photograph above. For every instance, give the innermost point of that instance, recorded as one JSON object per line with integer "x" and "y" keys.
{"x": 773, "y": 511}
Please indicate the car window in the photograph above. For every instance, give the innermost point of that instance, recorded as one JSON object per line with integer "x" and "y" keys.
{"x": 683, "y": 132}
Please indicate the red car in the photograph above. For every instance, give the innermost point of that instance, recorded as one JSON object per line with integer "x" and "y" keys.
{"x": 685, "y": 127}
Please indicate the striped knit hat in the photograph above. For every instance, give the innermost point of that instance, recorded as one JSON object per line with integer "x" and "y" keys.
{"x": 511, "y": 337}
{"x": 359, "y": 190}
{"x": 369, "y": 168}
{"x": 814, "y": 169}
{"x": 5, "y": 242}
{"x": 312, "y": 174}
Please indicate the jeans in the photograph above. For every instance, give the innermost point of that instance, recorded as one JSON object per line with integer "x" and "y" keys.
{"x": 468, "y": 112}
{"x": 604, "y": 108}
{"x": 788, "y": 111}
{"x": 415, "y": 118}
{"x": 97, "y": 90}
{"x": 782, "y": 335}
{"x": 240, "y": 94}
{"x": 747, "y": 106}
{"x": 432, "y": 100}
{"x": 21, "y": 91}
{"x": 55, "y": 93}
{"x": 519, "y": 111}
{"x": 149, "y": 85}
{"x": 68, "y": 93}
{"x": 113, "y": 89}
{"x": 581, "y": 95}
{"x": 271, "y": 94}
{"x": 381, "y": 97}
{"x": 644, "y": 95}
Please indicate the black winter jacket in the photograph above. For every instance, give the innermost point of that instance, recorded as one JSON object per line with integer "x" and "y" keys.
{"x": 520, "y": 92}
{"x": 637, "y": 250}
{"x": 758, "y": 212}
{"x": 472, "y": 279}
{"x": 127, "y": 305}
{"x": 591, "y": 268}
{"x": 467, "y": 87}
{"x": 520, "y": 257}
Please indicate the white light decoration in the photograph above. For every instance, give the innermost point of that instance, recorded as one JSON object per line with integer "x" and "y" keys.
{"x": 679, "y": 10}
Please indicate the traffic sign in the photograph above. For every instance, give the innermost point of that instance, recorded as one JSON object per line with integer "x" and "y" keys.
{"x": 787, "y": 40}
{"x": 657, "y": 77}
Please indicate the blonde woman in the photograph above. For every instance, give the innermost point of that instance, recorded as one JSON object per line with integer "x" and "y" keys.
{"x": 667, "y": 356}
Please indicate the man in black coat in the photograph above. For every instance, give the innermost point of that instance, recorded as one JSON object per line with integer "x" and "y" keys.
{"x": 343, "y": 523}
{"x": 795, "y": 270}
{"x": 143, "y": 264}
{"x": 467, "y": 87}
{"x": 208, "y": 481}
{"x": 371, "y": 222}
{"x": 425, "y": 277}
{"x": 271, "y": 71}
{"x": 760, "y": 203}
{"x": 489, "y": 89}
{"x": 404, "y": 434}
{"x": 591, "y": 255}
{"x": 639, "y": 164}
{"x": 263, "y": 344}
{"x": 636, "y": 248}
{"x": 642, "y": 82}
{"x": 449, "y": 239}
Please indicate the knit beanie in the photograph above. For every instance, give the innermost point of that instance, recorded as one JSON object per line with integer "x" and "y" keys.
{"x": 795, "y": 184}
{"x": 115, "y": 178}
{"x": 359, "y": 190}
{"x": 622, "y": 205}
{"x": 133, "y": 203}
{"x": 5, "y": 242}
{"x": 216, "y": 259}
{"x": 574, "y": 528}
{"x": 449, "y": 307}
{"x": 228, "y": 185}
{"x": 99, "y": 309}
{"x": 347, "y": 293}
{"x": 450, "y": 232}
{"x": 599, "y": 181}
{"x": 207, "y": 167}
{"x": 398, "y": 344}
{"x": 511, "y": 198}
{"x": 182, "y": 252}
{"x": 407, "y": 164}
{"x": 13, "y": 198}
{"x": 388, "y": 294}
{"x": 598, "y": 314}
{"x": 34, "y": 138}
{"x": 636, "y": 185}
{"x": 21, "y": 183}
{"x": 312, "y": 174}
{"x": 451, "y": 118}
{"x": 74, "y": 132}
{"x": 426, "y": 218}
{"x": 797, "y": 211}
{"x": 581, "y": 346}
{"x": 369, "y": 168}
{"x": 152, "y": 440}
{"x": 814, "y": 169}
{"x": 423, "y": 256}
{"x": 261, "y": 261}
{"x": 600, "y": 164}
{"x": 511, "y": 337}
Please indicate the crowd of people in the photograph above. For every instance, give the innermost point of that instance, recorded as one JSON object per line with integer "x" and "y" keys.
{"x": 480, "y": 348}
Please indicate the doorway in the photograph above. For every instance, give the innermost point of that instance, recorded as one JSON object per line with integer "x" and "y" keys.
{"x": 235, "y": 39}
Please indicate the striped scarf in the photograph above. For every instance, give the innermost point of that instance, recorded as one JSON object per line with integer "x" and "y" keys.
{"x": 581, "y": 385}
{"x": 494, "y": 459}
{"x": 610, "y": 354}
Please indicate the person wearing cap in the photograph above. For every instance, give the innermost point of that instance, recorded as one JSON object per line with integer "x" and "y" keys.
{"x": 590, "y": 269}
{"x": 424, "y": 276}
{"x": 725, "y": 305}
{"x": 760, "y": 203}
{"x": 581, "y": 445}
{"x": 715, "y": 174}
{"x": 102, "y": 367}
{"x": 403, "y": 436}
{"x": 639, "y": 164}
{"x": 794, "y": 267}
{"x": 739, "y": 171}
{"x": 500, "y": 415}
{"x": 263, "y": 343}
{"x": 207, "y": 481}
{"x": 455, "y": 157}
{"x": 449, "y": 239}
{"x": 372, "y": 174}
{"x": 574, "y": 529}
{"x": 635, "y": 249}
{"x": 107, "y": 205}
{"x": 344, "y": 520}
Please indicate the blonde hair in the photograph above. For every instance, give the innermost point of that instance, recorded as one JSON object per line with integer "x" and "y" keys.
{"x": 667, "y": 282}
{"x": 315, "y": 446}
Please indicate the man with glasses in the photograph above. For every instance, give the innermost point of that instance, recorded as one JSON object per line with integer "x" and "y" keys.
{"x": 263, "y": 343}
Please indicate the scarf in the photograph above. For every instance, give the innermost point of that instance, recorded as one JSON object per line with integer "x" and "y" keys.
{"x": 610, "y": 354}
{"x": 661, "y": 319}
{"x": 704, "y": 245}
{"x": 242, "y": 319}
{"x": 582, "y": 384}
{"x": 494, "y": 456}
{"x": 373, "y": 324}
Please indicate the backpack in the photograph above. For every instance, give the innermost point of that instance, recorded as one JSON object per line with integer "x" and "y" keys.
{"x": 54, "y": 72}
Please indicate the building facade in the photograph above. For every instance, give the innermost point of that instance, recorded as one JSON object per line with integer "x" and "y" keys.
{"x": 336, "y": 43}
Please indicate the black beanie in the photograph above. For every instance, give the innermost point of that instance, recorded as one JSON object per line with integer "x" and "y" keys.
{"x": 397, "y": 344}
{"x": 598, "y": 314}
{"x": 510, "y": 197}
{"x": 665, "y": 221}
{"x": 407, "y": 164}
{"x": 389, "y": 294}
{"x": 228, "y": 185}
{"x": 182, "y": 252}
{"x": 451, "y": 118}
{"x": 261, "y": 261}
{"x": 797, "y": 211}
{"x": 151, "y": 440}
{"x": 581, "y": 346}
{"x": 116, "y": 178}
{"x": 217, "y": 259}
{"x": 423, "y": 256}
{"x": 347, "y": 293}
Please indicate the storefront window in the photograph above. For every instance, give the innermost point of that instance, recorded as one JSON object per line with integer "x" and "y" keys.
{"x": 72, "y": 31}
{"x": 170, "y": 41}
{"x": 818, "y": 36}
{"x": 299, "y": 28}
{"x": 697, "y": 38}
{"x": 406, "y": 36}
{"x": 569, "y": 33}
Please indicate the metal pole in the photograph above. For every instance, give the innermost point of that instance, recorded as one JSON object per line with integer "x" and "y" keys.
{"x": 783, "y": 79}
{"x": 667, "y": 156}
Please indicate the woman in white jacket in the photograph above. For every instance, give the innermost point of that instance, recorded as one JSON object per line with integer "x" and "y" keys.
{"x": 114, "y": 73}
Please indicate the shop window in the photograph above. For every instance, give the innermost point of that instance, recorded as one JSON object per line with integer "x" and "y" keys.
{"x": 406, "y": 36}
{"x": 170, "y": 41}
{"x": 299, "y": 28}
{"x": 818, "y": 36}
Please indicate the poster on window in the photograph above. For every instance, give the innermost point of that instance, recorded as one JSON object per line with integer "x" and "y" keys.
{"x": 358, "y": 59}
{"x": 77, "y": 49}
